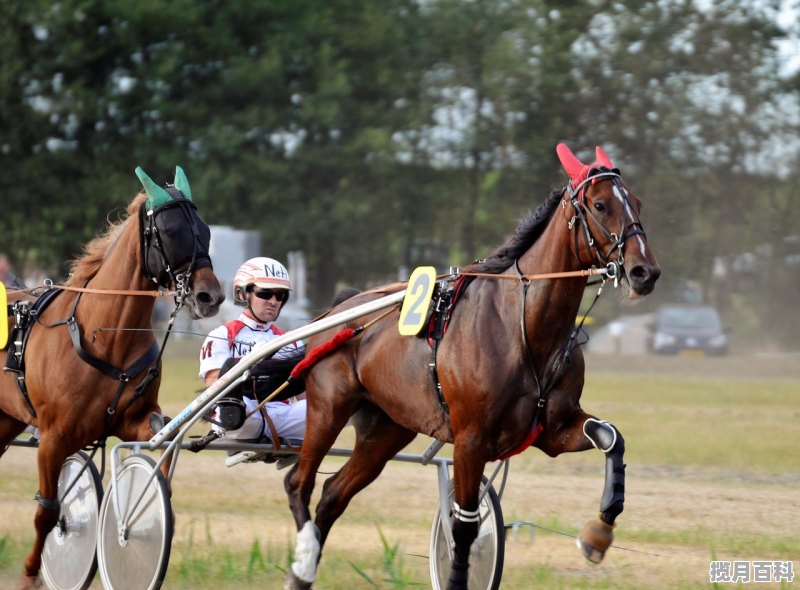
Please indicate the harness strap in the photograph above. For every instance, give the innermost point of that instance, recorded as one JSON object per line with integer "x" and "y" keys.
{"x": 435, "y": 376}
{"x": 437, "y": 327}
{"x": 123, "y": 375}
{"x": 273, "y": 432}
{"x": 25, "y": 313}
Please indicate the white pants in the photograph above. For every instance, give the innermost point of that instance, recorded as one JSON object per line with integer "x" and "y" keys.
{"x": 289, "y": 421}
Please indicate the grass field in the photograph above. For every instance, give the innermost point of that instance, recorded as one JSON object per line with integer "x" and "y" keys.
{"x": 713, "y": 474}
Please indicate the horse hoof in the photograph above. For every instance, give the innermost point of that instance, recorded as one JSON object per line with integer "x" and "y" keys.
{"x": 595, "y": 539}
{"x": 294, "y": 583}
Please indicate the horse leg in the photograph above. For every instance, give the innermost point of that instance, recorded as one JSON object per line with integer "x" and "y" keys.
{"x": 142, "y": 425}
{"x": 597, "y": 535}
{"x": 10, "y": 428}
{"x": 583, "y": 433}
{"x": 468, "y": 463}
{"x": 299, "y": 485}
{"x": 51, "y": 458}
{"x": 378, "y": 439}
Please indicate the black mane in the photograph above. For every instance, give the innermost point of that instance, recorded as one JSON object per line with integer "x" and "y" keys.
{"x": 527, "y": 232}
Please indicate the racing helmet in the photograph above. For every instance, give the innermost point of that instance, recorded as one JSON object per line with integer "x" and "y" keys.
{"x": 263, "y": 272}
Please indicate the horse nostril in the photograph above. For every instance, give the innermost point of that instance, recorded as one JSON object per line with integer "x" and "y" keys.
{"x": 203, "y": 298}
{"x": 642, "y": 274}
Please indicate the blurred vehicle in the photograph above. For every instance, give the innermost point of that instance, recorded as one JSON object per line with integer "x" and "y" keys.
{"x": 688, "y": 329}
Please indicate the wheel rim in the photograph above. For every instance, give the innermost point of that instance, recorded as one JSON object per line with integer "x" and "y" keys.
{"x": 486, "y": 554}
{"x": 69, "y": 558}
{"x": 139, "y": 558}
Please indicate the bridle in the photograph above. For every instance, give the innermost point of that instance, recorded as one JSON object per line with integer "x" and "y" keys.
{"x": 166, "y": 259}
{"x": 630, "y": 225}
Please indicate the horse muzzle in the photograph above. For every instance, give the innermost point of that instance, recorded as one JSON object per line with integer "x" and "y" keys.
{"x": 206, "y": 294}
{"x": 642, "y": 279}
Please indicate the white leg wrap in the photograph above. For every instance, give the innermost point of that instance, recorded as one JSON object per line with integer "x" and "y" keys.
{"x": 306, "y": 553}
{"x": 466, "y": 515}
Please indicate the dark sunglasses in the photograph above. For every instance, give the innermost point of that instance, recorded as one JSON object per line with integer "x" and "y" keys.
{"x": 268, "y": 294}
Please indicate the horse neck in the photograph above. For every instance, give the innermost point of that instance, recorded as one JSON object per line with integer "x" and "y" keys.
{"x": 551, "y": 304}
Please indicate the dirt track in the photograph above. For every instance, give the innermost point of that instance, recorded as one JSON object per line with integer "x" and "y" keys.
{"x": 676, "y": 520}
{"x": 693, "y": 519}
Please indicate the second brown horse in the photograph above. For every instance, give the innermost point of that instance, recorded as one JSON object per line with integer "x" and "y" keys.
{"x": 507, "y": 367}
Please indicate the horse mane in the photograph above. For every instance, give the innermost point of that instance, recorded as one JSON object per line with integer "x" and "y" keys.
{"x": 527, "y": 232}
{"x": 84, "y": 268}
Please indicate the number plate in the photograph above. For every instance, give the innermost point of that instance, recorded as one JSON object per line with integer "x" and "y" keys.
{"x": 417, "y": 300}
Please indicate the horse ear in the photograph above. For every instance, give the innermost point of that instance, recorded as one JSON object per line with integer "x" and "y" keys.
{"x": 602, "y": 158}
{"x": 572, "y": 165}
{"x": 182, "y": 183}
{"x": 156, "y": 196}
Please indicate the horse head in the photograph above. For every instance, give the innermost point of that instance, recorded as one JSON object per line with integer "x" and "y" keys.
{"x": 174, "y": 245}
{"x": 605, "y": 221}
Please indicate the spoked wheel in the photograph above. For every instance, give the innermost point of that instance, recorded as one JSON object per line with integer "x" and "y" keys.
{"x": 488, "y": 550}
{"x": 69, "y": 557}
{"x": 135, "y": 530}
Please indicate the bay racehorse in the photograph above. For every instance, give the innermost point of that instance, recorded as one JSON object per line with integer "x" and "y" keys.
{"x": 90, "y": 365}
{"x": 507, "y": 371}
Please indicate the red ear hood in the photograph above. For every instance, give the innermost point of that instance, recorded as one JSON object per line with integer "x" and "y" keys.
{"x": 577, "y": 170}
{"x": 602, "y": 158}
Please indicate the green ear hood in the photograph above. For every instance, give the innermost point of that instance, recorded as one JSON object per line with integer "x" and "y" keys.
{"x": 182, "y": 183}
{"x": 156, "y": 196}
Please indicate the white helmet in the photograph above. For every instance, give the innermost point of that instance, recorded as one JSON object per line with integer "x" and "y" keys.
{"x": 261, "y": 272}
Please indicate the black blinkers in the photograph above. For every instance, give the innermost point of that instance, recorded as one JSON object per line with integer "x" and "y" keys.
{"x": 174, "y": 239}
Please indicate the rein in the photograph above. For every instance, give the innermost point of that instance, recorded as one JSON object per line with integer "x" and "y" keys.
{"x": 543, "y": 276}
{"x": 48, "y": 284}
{"x": 153, "y": 294}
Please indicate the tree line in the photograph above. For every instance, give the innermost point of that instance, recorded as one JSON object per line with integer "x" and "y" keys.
{"x": 377, "y": 134}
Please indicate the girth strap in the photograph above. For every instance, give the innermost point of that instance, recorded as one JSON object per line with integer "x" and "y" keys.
{"x": 437, "y": 327}
{"x": 25, "y": 314}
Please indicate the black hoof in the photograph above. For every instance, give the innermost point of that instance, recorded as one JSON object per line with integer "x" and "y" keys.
{"x": 294, "y": 583}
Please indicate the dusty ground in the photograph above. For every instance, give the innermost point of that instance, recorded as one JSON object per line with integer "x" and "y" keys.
{"x": 689, "y": 518}
{"x": 675, "y": 521}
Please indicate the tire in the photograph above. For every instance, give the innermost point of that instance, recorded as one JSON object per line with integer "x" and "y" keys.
{"x": 137, "y": 560}
{"x": 487, "y": 553}
{"x": 69, "y": 556}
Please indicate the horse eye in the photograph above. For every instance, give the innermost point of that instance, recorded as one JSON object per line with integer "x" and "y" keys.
{"x": 600, "y": 207}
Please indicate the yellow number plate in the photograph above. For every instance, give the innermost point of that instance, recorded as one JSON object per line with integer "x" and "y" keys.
{"x": 417, "y": 300}
{"x": 3, "y": 317}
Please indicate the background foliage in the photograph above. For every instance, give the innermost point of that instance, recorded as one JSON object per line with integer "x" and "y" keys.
{"x": 389, "y": 133}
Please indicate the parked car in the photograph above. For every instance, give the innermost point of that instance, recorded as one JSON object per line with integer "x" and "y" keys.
{"x": 689, "y": 329}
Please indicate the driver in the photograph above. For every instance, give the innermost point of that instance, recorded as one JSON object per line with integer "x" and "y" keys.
{"x": 262, "y": 286}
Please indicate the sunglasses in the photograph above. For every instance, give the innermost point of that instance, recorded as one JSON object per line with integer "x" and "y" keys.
{"x": 267, "y": 294}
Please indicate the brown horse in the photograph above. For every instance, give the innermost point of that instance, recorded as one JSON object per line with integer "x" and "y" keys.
{"x": 83, "y": 383}
{"x": 507, "y": 366}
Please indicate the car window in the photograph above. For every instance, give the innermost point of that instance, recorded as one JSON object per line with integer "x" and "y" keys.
{"x": 701, "y": 317}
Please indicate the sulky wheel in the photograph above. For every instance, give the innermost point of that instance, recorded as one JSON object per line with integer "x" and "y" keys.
{"x": 486, "y": 554}
{"x": 69, "y": 558}
{"x": 135, "y": 532}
